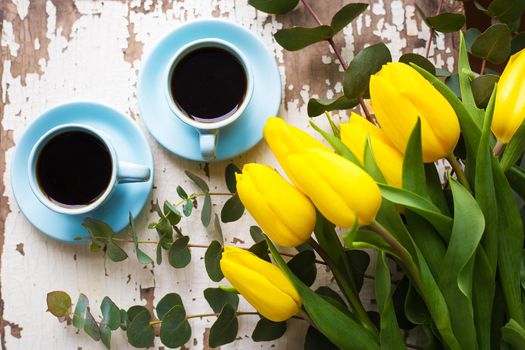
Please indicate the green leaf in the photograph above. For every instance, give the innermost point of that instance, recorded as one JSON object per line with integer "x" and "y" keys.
{"x": 224, "y": 329}
{"x": 414, "y": 178}
{"x": 217, "y": 298}
{"x": 293, "y": 39}
{"x": 359, "y": 261}
{"x": 346, "y": 15}
{"x": 256, "y": 233}
{"x": 316, "y": 340}
{"x": 105, "y": 335}
{"x": 260, "y": 249}
{"x": 229, "y": 176}
{"x": 456, "y": 273}
{"x": 187, "y": 207}
{"x": 514, "y": 149}
{"x": 165, "y": 232}
{"x": 470, "y": 35}
{"x": 175, "y": 331}
{"x": 366, "y": 63}
{"x": 168, "y": 302}
{"x": 140, "y": 333}
{"x": 326, "y": 316}
{"x": 97, "y": 228}
{"x": 507, "y": 11}
{"x": 81, "y": 308}
{"x": 114, "y": 252}
{"x": 421, "y": 61}
{"x": 212, "y": 259}
{"x": 514, "y": 334}
{"x": 332, "y": 296}
{"x": 171, "y": 213}
{"x": 110, "y": 313}
{"x": 198, "y": 181}
{"x": 134, "y": 311}
{"x": 179, "y": 254}
{"x": 482, "y": 88}
{"x": 317, "y": 106}
{"x": 274, "y": 6}
{"x": 123, "y": 319}
{"x": 467, "y": 96}
{"x": 493, "y": 44}
{"x": 434, "y": 189}
{"x": 338, "y": 146}
{"x": 142, "y": 257}
{"x": 303, "y": 266}
{"x": 390, "y": 334}
{"x": 182, "y": 194}
{"x": 518, "y": 43}
{"x": 419, "y": 205}
{"x": 59, "y": 303}
{"x": 206, "y": 210}
{"x": 446, "y": 22}
{"x": 159, "y": 254}
{"x": 91, "y": 327}
{"x": 232, "y": 209}
{"x": 366, "y": 239}
{"x": 267, "y": 330}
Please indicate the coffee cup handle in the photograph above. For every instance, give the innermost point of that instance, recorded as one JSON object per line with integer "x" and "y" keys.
{"x": 130, "y": 172}
{"x": 208, "y": 144}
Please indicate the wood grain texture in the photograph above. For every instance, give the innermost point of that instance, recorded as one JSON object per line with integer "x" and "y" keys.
{"x": 61, "y": 50}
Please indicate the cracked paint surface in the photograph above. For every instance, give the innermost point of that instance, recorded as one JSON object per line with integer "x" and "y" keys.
{"x": 60, "y": 50}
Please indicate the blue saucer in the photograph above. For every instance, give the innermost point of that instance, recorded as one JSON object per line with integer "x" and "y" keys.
{"x": 130, "y": 145}
{"x": 240, "y": 136}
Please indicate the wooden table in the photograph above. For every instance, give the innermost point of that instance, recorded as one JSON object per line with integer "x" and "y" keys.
{"x": 62, "y": 50}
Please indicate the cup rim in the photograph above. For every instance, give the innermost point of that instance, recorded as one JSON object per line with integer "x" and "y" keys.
{"x": 32, "y": 163}
{"x": 186, "y": 49}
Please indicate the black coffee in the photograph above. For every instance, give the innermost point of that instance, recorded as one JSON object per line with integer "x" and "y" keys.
{"x": 74, "y": 168}
{"x": 208, "y": 84}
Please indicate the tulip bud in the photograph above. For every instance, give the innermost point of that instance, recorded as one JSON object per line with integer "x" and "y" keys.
{"x": 342, "y": 191}
{"x": 285, "y": 139}
{"x": 282, "y": 211}
{"x": 399, "y": 95}
{"x": 388, "y": 158}
{"x": 262, "y": 284}
{"x": 509, "y": 110}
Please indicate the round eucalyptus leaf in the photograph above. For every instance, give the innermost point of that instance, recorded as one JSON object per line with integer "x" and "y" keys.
{"x": 134, "y": 310}
{"x": 79, "y": 315}
{"x": 206, "y": 210}
{"x": 181, "y": 192}
{"x": 224, "y": 329}
{"x": 168, "y": 302}
{"x": 315, "y": 340}
{"x": 506, "y": 11}
{"x": 123, "y": 319}
{"x": 261, "y": 250}
{"x": 105, "y": 335}
{"x": 446, "y": 22}
{"x": 493, "y": 44}
{"x": 217, "y": 298}
{"x": 482, "y": 88}
{"x": 229, "y": 176}
{"x": 59, "y": 303}
{"x": 140, "y": 333}
{"x": 212, "y": 259}
{"x": 293, "y": 39}
{"x": 419, "y": 60}
{"x": 469, "y": 36}
{"x": 366, "y": 63}
{"x": 198, "y": 181}
{"x": 171, "y": 213}
{"x": 256, "y": 233}
{"x": 179, "y": 254}
{"x": 359, "y": 261}
{"x": 274, "y": 6}
{"x": 91, "y": 326}
{"x": 114, "y": 252}
{"x": 175, "y": 331}
{"x": 346, "y": 15}
{"x": 518, "y": 43}
{"x": 232, "y": 209}
{"x": 317, "y": 106}
{"x": 267, "y": 330}
{"x": 303, "y": 266}
{"x": 110, "y": 313}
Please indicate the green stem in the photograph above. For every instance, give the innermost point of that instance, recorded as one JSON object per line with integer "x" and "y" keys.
{"x": 347, "y": 290}
{"x": 459, "y": 171}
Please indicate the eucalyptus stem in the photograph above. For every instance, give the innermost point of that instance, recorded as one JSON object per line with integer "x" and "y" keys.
{"x": 339, "y": 57}
{"x": 483, "y": 64}
{"x": 347, "y": 290}
{"x": 459, "y": 171}
{"x": 432, "y": 31}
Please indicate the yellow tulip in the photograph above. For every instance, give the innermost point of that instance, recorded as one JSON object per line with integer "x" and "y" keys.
{"x": 509, "y": 110}
{"x": 400, "y": 95}
{"x": 262, "y": 284}
{"x": 285, "y": 139}
{"x": 282, "y": 211}
{"x": 388, "y": 158}
{"x": 341, "y": 190}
